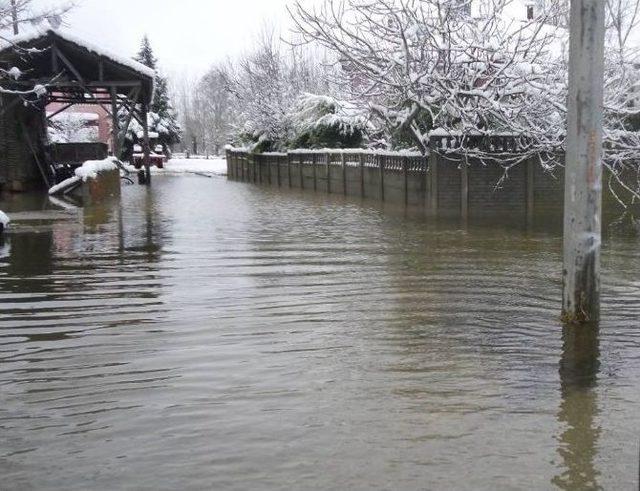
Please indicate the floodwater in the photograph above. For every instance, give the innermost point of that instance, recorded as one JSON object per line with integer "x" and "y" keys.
{"x": 207, "y": 334}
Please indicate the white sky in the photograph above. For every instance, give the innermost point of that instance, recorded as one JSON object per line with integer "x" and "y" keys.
{"x": 187, "y": 35}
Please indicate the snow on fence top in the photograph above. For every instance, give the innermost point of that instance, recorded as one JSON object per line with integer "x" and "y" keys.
{"x": 88, "y": 170}
{"x": 67, "y": 35}
{"x": 345, "y": 151}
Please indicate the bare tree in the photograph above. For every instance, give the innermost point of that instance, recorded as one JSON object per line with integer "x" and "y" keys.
{"x": 215, "y": 108}
{"x": 266, "y": 84}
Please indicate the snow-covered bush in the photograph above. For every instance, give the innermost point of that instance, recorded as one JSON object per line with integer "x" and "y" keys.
{"x": 320, "y": 121}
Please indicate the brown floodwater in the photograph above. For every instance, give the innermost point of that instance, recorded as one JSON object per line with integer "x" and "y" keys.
{"x": 207, "y": 334}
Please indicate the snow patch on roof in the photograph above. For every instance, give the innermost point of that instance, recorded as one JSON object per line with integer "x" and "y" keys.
{"x": 66, "y": 34}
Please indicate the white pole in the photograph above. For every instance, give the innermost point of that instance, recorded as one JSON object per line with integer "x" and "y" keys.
{"x": 583, "y": 167}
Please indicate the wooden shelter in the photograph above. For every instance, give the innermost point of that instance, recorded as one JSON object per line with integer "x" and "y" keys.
{"x": 57, "y": 66}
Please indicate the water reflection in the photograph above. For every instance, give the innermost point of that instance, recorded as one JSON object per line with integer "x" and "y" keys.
{"x": 579, "y": 368}
{"x": 5, "y": 247}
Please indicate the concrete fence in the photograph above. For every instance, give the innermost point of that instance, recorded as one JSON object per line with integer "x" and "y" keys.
{"x": 443, "y": 186}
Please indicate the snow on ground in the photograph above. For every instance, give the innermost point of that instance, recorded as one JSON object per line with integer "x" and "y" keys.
{"x": 213, "y": 166}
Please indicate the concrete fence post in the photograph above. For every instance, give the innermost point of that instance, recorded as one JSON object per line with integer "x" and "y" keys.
{"x": 289, "y": 158}
{"x": 433, "y": 183}
{"x": 301, "y": 165}
{"x": 405, "y": 174}
{"x": 343, "y": 162}
{"x": 256, "y": 168}
{"x": 314, "y": 161}
{"x": 381, "y": 162}
{"x": 464, "y": 190}
{"x": 278, "y": 159}
{"x": 362, "y": 194}
{"x": 426, "y": 182}
{"x": 327, "y": 162}
{"x": 530, "y": 189}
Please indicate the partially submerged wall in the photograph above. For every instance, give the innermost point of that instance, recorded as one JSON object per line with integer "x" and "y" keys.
{"x": 443, "y": 186}
{"x": 106, "y": 185}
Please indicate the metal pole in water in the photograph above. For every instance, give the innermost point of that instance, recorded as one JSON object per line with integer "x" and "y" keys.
{"x": 583, "y": 166}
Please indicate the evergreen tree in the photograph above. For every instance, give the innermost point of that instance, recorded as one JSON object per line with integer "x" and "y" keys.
{"x": 162, "y": 117}
{"x": 145, "y": 54}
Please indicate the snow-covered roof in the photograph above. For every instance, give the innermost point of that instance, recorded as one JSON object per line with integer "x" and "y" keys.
{"x": 36, "y": 33}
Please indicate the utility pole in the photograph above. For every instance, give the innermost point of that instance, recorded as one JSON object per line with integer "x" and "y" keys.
{"x": 583, "y": 166}
{"x": 14, "y": 17}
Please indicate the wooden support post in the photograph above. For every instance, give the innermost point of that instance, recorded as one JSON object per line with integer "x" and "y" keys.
{"x": 115, "y": 125}
{"x": 433, "y": 183}
{"x": 362, "y": 194}
{"x": 583, "y": 166}
{"x": 381, "y": 162}
{"x": 464, "y": 190}
{"x": 314, "y": 161}
{"x": 289, "y": 158}
{"x": 327, "y": 162}
{"x": 145, "y": 144}
{"x": 343, "y": 162}
{"x": 405, "y": 174}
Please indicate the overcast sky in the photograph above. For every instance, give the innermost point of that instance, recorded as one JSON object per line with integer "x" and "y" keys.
{"x": 186, "y": 35}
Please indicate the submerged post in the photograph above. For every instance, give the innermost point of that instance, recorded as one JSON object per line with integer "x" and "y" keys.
{"x": 145, "y": 144}
{"x": 583, "y": 167}
{"x": 115, "y": 125}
